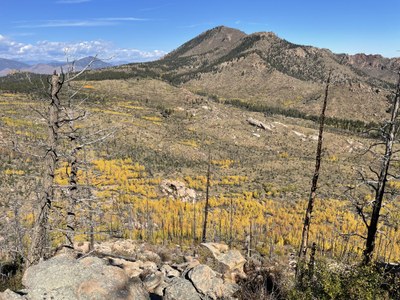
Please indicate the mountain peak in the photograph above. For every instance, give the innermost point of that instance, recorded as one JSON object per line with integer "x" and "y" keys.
{"x": 224, "y": 29}
{"x": 264, "y": 34}
{"x": 212, "y": 40}
{"x": 11, "y": 64}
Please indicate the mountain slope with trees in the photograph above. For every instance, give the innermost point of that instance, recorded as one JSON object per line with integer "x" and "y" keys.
{"x": 265, "y": 70}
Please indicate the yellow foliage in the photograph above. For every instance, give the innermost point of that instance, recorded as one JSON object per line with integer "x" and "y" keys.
{"x": 394, "y": 184}
{"x": 130, "y": 204}
{"x": 284, "y": 155}
{"x": 16, "y": 122}
{"x": 14, "y": 172}
{"x": 233, "y": 180}
{"x": 152, "y": 118}
{"x": 224, "y": 163}
{"x": 333, "y": 158}
{"x": 190, "y": 143}
{"x": 198, "y": 182}
{"x": 29, "y": 219}
{"x": 131, "y": 106}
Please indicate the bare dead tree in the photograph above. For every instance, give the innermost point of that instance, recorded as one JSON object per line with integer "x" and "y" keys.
{"x": 206, "y": 207}
{"x": 61, "y": 118}
{"x": 13, "y": 194}
{"x": 194, "y": 222}
{"x": 311, "y": 263}
{"x": 72, "y": 173}
{"x": 39, "y": 243}
{"x": 389, "y": 133}
{"x": 231, "y": 223}
{"x": 73, "y": 113}
{"x": 314, "y": 183}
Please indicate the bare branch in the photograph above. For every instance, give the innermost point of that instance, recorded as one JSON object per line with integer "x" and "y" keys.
{"x": 347, "y": 235}
{"x": 373, "y": 171}
{"x": 16, "y": 149}
{"x": 360, "y": 212}
{"x": 102, "y": 138}
{"x": 370, "y": 183}
{"x": 63, "y": 121}
{"x": 83, "y": 70}
{"x": 38, "y": 112}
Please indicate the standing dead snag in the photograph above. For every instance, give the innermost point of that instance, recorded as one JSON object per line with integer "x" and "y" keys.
{"x": 72, "y": 159}
{"x": 314, "y": 184}
{"x": 40, "y": 237}
{"x": 389, "y": 132}
{"x": 206, "y": 208}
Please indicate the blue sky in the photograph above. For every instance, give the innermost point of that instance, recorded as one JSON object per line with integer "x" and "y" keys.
{"x": 145, "y": 30}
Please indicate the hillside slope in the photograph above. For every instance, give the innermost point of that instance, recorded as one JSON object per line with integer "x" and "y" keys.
{"x": 263, "y": 69}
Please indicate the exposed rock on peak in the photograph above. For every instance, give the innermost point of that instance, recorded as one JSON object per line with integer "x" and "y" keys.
{"x": 375, "y": 65}
{"x": 218, "y": 40}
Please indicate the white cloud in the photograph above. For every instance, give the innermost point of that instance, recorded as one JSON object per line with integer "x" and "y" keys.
{"x": 109, "y": 21}
{"x": 25, "y": 49}
{"x": 60, "y": 51}
{"x": 68, "y": 23}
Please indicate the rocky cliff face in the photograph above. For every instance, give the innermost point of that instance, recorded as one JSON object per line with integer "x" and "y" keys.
{"x": 374, "y": 65}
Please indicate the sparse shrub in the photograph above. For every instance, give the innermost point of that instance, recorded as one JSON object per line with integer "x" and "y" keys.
{"x": 165, "y": 255}
{"x": 334, "y": 281}
{"x": 263, "y": 283}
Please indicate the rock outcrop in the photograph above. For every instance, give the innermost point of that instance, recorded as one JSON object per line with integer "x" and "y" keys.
{"x": 259, "y": 124}
{"x": 178, "y": 190}
{"x": 65, "y": 277}
{"x": 229, "y": 262}
{"x": 181, "y": 289}
{"x": 129, "y": 270}
{"x": 206, "y": 281}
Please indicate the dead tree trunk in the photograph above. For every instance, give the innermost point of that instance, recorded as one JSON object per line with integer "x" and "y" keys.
{"x": 72, "y": 195}
{"x": 73, "y": 172}
{"x": 204, "y": 237}
{"x": 194, "y": 222}
{"x": 311, "y": 263}
{"x": 40, "y": 237}
{"x": 314, "y": 184}
{"x": 231, "y": 223}
{"x": 389, "y": 136}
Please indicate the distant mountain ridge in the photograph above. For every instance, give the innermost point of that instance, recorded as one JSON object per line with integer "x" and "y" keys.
{"x": 265, "y": 70}
{"x": 223, "y": 44}
{"x": 374, "y": 65}
{"x": 9, "y": 66}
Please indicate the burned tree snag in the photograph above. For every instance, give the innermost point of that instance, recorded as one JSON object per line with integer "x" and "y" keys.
{"x": 39, "y": 244}
{"x": 314, "y": 184}
{"x": 206, "y": 208}
{"x": 389, "y": 132}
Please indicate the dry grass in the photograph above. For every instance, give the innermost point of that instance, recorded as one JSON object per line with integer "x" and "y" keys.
{"x": 247, "y": 163}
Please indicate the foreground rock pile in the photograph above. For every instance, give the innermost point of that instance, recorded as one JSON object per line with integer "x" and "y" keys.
{"x": 126, "y": 270}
